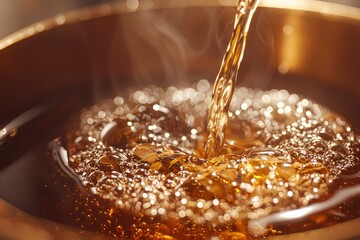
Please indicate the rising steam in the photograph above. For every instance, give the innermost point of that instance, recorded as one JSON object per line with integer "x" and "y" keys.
{"x": 164, "y": 45}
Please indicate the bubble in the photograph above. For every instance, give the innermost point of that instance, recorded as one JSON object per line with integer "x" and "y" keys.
{"x": 146, "y": 160}
{"x": 109, "y": 163}
{"x": 116, "y": 134}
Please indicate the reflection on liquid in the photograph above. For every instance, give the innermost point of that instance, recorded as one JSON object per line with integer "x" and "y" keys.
{"x": 10, "y": 129}
{"x": 257, "y": 227}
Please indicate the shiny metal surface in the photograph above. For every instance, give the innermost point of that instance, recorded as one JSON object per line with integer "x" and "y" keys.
{"x": 311, "y": 45}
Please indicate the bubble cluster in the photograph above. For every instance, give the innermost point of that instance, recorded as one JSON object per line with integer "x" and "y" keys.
{"x": 142, "y": 154}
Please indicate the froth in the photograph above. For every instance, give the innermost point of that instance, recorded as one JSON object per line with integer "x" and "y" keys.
{"x": 143, "y": 154}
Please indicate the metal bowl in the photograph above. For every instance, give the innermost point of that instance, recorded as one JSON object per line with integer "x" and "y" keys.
{"x": 307, "y": 47}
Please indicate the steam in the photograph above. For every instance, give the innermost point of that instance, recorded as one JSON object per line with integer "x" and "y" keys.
{"x": 163, "y": 37}
{"x": 262, "y": 59}
{"x": 162, "y": 43}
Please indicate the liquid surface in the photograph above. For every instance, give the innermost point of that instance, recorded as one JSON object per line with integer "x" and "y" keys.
{"x": 142, "y": 158}
{"x": 138, "y": 163}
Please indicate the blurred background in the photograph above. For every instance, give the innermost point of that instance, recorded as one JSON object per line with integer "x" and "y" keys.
{"x": 16, "y": 14}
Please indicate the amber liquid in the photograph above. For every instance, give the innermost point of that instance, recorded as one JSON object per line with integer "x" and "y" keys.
{"x": 226, "y": 80}
{"x": 148, "y": 164}
{"x": 139, "y": 172}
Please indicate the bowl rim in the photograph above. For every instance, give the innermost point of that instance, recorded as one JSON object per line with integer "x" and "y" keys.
{"x": 328, "y": 9}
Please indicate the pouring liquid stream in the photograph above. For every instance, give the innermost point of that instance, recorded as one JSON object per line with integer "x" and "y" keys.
{"x": 226, "y": 79}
